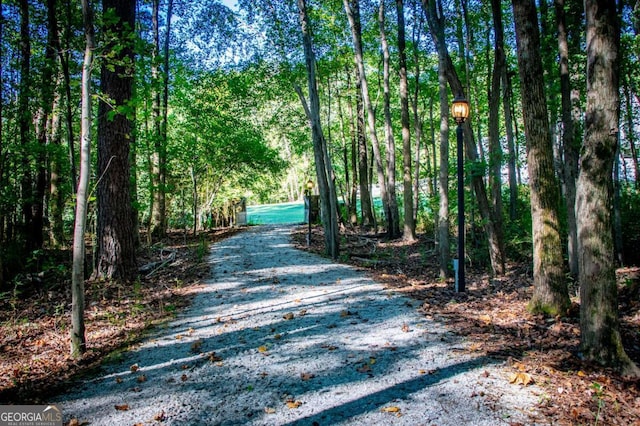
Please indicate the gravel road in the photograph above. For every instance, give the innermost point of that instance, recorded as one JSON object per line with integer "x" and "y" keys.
{"x": 282, "y": 337}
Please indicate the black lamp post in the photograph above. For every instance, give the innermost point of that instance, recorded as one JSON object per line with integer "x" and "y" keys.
{"x": 307, "y": 193}
{"x": 460, "y": 112}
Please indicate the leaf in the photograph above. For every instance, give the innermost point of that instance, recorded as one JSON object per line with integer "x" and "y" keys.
{"x": 160, "y": 417}
{"x": 307, "y": 376}
{"x": 345, "y": 314}
{"x": 118, "y": 380}
{"x": 214, "y": 358}
{"x": 364, "y": 369}
{"x": 269, "y": 410}
{"x": 277, "y": 336}
{"x": 392, "y": 409}
{"x": 121, "y": 407}
{"x": 405, "y": 328}
{"x": 294, "y": 404}
{"x": 184, "y": 377}
{"x": 134, "y": 368}
{"x": 521, "y": 379}
{"x": 263, "y": 349}
{"x": 288, "y": 316}
{"x": 142, "y": 379}
{"x": 302, "y": 312}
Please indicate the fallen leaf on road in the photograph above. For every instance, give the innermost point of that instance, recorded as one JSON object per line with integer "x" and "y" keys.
{"x": 270, "y": 410}
{"x": 294, "y": 404}
{"x": 121, "y": 407}
{"x": 142, "y": 378}
{"x": 288, "y": 316}
{"x": 364, "y": 369}
{"x": 214, "y": 358}
{"x": 392, "y": 409}
{"x": 134, "y": 368}
{"x": 263, "y": 349}
{"x": 307, "y": 376}
{"x": 160, "y": 417}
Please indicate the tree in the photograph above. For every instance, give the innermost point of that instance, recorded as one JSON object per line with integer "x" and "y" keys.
{"x": 324, "y": 173}
{"x": 409, "y": 231}
{"x": 115, "y": 229}
{"x": 393, "y": 221}
{"x": 78, "y": 340}
{"x": 493, "y": 231}
{"x": 352, "y": 8}
{"x": 599, "y": 323}
{"x": 550, "y": 294}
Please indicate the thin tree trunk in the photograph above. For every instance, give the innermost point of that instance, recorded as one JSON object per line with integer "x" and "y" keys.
{"x": 550, "y": 294}
{"x": 417, "y": 120}
{"x": 599, "y": 322}
{"x": 366, "y": 206}
{"x": 352, "y": 8}
{"x": 495, "y": 148}
{"x": 56, "y": 196}
{"x": 570, "y": 143}
{"x": 64, "y": 55}
{"x": 78, "y": 339}
{"x": 511, "y": 145}
{"x": 443, "y": 182}
{"x": 324, "y": 172}
{"x": 157, "y": 227}
{"x": 24, "y": 123}
{"x": 353, "y": 188}
{"x": 393, "y": 221}
{"x": 494, "y": 235}
{"x": 409, "y": 228}
{"x": 631, "y": 134}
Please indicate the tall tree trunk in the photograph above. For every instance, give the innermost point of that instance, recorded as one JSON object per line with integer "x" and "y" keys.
{"x": 511, "y": 144}
{"x": 393, "y": 221}
{"x": 599, "y": 323}
{"x": 550, "y": 294}
{"x": 24, "y": 123}
{"x": 324, "y": 172}
{"x": 409, "y": 228}
{"x": 570, "y": 144}
{"x": 116, "y": 241}
{"x": 495, "y": 148}
{"x": 417, "y": 120}
{"x": 42, "y": 127}
{"x": 631, "y": 134}
{"x": 443, "y": 182}
{"x": 78, "y": 339}
{"x": 56, "y": 195}
{"x": 368, "y": 216}
{"x": 352, "y": 8}
{"x": 353, "y": 188}
{"x": 494, "y": 235}
{"x": 157, "y": 226}
{"x": 64, "y": 55}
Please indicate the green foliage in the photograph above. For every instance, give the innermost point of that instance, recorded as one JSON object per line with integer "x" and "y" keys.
{"x": 518, "y": 237}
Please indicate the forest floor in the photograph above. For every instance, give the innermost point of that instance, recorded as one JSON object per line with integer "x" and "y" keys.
{"x": 491, "y": 315}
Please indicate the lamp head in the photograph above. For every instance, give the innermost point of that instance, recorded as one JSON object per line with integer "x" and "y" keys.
{"x": 460, "y": 109}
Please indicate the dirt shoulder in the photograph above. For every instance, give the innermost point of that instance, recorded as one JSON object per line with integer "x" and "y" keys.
{"x": 35, "y": 318}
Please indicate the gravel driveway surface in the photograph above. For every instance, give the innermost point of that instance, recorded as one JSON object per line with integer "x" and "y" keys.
{"x": 282, "y": 337}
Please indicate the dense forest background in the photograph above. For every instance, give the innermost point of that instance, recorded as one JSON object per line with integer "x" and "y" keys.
{"x": 200, "y": 105}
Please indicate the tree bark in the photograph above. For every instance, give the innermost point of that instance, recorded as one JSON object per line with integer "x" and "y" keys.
{"x": 352, "y": 8}
{"x": 368, "y": 215}
{"x": 78, "y": 339}
{"x": 494, "y": 235}
{"x": 409, "y": 228}
{"x": 599, "y": 323}
{"x": 324, "y": 172}
{"x": 24, "y": 124}
{"x": 443, "y": 182}
{"x": 570, "y": 143}
{"x": 115, "y": 239}
{"x": 550, "y": 294}
{"x": 495, "y": 148}
{"x": 393, "y": 230}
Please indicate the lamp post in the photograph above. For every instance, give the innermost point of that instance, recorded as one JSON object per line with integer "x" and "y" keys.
{"x": 307, "y": 193}
{"x": 460, "y": 112}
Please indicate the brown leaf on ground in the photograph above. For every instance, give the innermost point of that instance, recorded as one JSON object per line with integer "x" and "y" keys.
{"x": 121, "y": 407}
